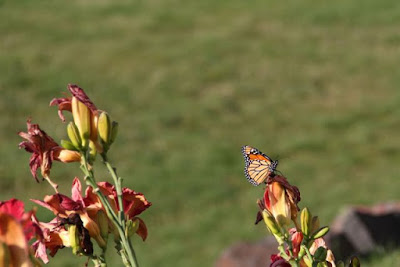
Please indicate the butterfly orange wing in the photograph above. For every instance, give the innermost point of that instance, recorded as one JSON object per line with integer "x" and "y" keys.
{"x": 258, "y": 166}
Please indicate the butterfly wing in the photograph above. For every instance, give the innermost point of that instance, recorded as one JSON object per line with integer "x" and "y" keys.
{"x": 258, "y": 166}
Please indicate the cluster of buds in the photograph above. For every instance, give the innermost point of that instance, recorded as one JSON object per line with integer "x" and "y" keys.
{"x": 300, "y": 244}
{"x": 105, "y": 209}
{"x": 91, "y": 128}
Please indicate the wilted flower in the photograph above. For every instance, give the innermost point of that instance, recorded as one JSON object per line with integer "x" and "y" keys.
{"x": 134, "y": 204}
{"x": 281, "y": 198}
{"x": 64, "y": 207}
{"x": 44, "y": 150}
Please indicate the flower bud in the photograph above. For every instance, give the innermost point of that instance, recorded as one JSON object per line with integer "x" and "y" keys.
{"x": 68, "y": 145}
{"x": 320, "y": 254}
{"x": 340, "y": 264}
{"x": 314, "y": 224}
{"x": 131, "y": 227}
{"x": 66, "y": 156}
{"x": 82, "y": 119}
{"x": 102, "y": 222}
{"x": 271, "y": 223}
{"x": 104, "y": 128}
{"x": 305, "y": 220}
{"x": 320, "y": 233}
{"x": 93, "y": 151}
{"x": 355, "y": 262}
{"x": 73, "y": 135}
{"x": 114, "y": 132}
{"x": 73, "y": 238}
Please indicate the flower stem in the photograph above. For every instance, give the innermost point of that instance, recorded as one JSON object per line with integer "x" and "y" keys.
{"x": 126, "y": 245}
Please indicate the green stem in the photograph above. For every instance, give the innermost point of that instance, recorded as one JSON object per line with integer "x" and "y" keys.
{"x": 90, "y": 180}
{"x": 118, "y": 186}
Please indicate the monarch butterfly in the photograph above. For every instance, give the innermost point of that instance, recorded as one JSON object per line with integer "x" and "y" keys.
{"x": 258, "y": 166}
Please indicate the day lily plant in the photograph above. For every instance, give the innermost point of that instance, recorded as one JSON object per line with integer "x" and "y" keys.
{"x": 81, "y": 220}
{"x": 301, "y": 243}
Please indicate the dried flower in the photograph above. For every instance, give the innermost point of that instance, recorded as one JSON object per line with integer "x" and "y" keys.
{"x": 44, "y": 150}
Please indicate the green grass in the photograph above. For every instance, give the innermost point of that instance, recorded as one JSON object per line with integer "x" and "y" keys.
{"x": 313, "y": 83}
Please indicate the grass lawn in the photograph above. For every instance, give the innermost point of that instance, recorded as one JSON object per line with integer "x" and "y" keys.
{"x": 313, "y": 83}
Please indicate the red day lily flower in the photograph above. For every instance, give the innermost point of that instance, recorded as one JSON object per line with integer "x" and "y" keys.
{"x": 44, "y": 150}
{"x": 278, "y": 261}
{"x": 64, "y": 207}
{"x": 134, "y": 204}
{"x": 17, "y": 227}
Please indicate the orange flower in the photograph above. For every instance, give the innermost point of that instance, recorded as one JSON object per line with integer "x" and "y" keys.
{"x": 17, "y": 227}
{"x": 280, "y": 199}
{"x": 134, "y": 204}
{"x": 44, "y": 150}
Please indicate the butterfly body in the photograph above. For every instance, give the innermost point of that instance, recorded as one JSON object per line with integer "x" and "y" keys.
{"x": 258, "y": 166}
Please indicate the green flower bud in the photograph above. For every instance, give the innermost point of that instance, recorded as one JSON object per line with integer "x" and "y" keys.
{"x": 305, "y": 220}
{"x": 271, "y": 223}
{"x": 92, "y": 152}
{"x": 340, "y": 264}
{"x": 104, "y": 128}
{"x": 68, "y": 145}
{"x": 73, "y": 135}
{"x": 320, "y": 233}
{"x": 114, "y": 131}
{"x": 354, "y": 262}
{"x": 320, "y": 254}
{"x": 132, "y": 227}
{"x": 102, "y": 222}
{"x": 74, "y": 238}
{"x": 82, "y": 118}
{"x": 314, "y": 224}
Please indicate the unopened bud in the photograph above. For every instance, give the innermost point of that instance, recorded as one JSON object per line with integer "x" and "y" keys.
{"x": 73, "y": 134}
{"x": 340, "y": 264}
{"x": 73, "y": 238}
{"x": 104, "y": 128}
{"x": 114, "y": 131}
{"x": 320, "y": 233}
{"x": 305, "y": 220}
{"x": 271, "y": 223}
{"x": 355, "y": 262}
{"x": 93, "y": 151}
{"x": 131, "y": 227}
{"x": 82, "y": 119}
{"x": 320, "y": 254}
{"x": 314, "y": 224}
{"x": 66, "y": 156}
{"x": 102, "y": 221}
{"x": 68, "y": 145}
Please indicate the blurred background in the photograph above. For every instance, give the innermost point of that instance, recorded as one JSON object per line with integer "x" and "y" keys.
{"x": 314, "y": 84}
